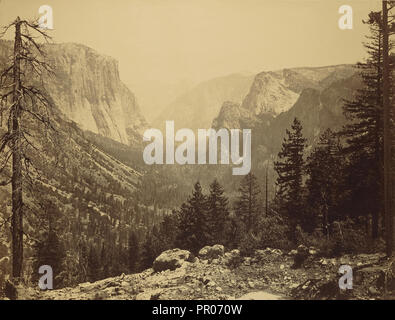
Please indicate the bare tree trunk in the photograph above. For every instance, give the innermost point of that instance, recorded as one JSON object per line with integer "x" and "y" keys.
{"x": 389, "y": 225}
{"x": 17, "y": 211}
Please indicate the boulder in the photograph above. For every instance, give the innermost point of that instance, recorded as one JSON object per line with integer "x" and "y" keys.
{"x": 172, "y": 259}
{"x": 233, "y": 258}
{"x": 247, "y": 261}
{"x": 212, "y": 252}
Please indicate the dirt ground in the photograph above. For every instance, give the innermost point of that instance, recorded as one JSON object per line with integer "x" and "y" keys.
{"x": 269, "y": 274}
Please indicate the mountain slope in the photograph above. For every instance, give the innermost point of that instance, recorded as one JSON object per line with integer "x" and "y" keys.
{"x": 93, "y": 197}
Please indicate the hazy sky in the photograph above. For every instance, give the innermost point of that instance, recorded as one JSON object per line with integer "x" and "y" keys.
{"x": 165, "y": 41}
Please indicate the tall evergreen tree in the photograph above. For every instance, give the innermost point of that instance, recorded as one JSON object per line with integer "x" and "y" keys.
{"x": 364, "y": 131}
{"x": 105, "y": 261}
{"x": 133, "y": 252}
{"x": 93, "y": 272}
{"x": 324, "y": 183}
{"x": 388, "y": 25}
{"x": 50, "y": 251}
{"x": 248, "y": 205}
{"x": 217, "y": 213}
{"x": 169, "y": 231}
{"x": 151, "y": 248}
{"x": 290, "y": 169}
{"x": 193, "y": 221}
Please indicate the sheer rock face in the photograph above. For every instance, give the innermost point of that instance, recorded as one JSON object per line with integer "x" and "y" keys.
{"x": 87, "y": 89}
{"x": 314, "y": 95}
{"x": 277, "y": 92}
{"x": 269, "y": 93}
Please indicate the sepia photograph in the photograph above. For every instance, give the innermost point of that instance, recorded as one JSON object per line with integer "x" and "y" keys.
{"x": 197, "y": 150}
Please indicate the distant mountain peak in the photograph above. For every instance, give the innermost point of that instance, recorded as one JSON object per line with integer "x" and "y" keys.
{"x": 269, "y": 93}
{"x": 275, "y": 92}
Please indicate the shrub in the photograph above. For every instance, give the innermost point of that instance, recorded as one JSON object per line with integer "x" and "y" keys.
{"x": 345, "y": 237}
{"x": 248, "y": 245}
{"x": 274, "y": 233}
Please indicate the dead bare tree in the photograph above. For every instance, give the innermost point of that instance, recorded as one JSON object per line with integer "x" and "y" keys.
{"x": 24, "y": 103}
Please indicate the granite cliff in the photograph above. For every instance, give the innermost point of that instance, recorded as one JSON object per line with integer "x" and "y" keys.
{"x": 88, "y": 90}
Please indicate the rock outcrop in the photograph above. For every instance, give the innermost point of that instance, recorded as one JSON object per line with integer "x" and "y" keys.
{"x": 269, "y": 94}
{"x": 212, "y": 252}
{"x": 87, "y": 89}
{"x": 172, "y": 259}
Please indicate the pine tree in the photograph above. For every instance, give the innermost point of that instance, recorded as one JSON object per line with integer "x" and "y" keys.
{"x": 364, "y": 131}
{"x": 83, "y": 260}
{"x": 388, "y": 26}
{"x": 193, "y": 222}
{"x": 50, "y": 251}
{"x": 290, "y": 169}
{"x": 151, "y": 249}
{"x": 168, "y": 231}
{"x": 248, "y": 205}
{"x": 104, "y": 260}
{"x": 217, "y": 214}
{"x": 93, "y": 272}
{"x": 235, "y": 231}
{"x": 324, "y": 182}
{"x": 133, "y": 252}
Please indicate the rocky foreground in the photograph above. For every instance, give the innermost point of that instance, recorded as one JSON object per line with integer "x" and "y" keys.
{"x": 215, "y": 275}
